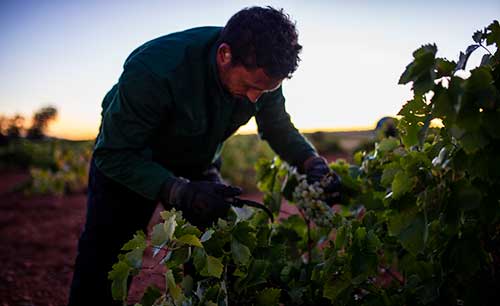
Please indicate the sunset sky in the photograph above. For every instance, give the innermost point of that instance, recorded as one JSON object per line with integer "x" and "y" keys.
{"x": 69, "y": 53}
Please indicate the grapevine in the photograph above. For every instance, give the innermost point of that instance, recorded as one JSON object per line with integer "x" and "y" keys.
{"x": 430, "y": 234}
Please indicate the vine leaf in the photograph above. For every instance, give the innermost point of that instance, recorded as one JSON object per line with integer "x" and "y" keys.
{"x": 137, "y": 242}
{"x": 444, "y": 67}
{"x": 191, "y": 240}
{"x": 336, "y": 286}
{"x": 390, "y": 170}
{"x": 388, "y": 144}
{"x": 257, "y": 274}
{"x": 119, "y": 277}
{"x": 402, "y": 184}
{"x": 178, "y": 257}
{"x": 409, "y": 226}
{"x": 134, "y": 258}
{"x": 213, "y": 267}
{"x": 268, "y": 297}
{"x": 477, "y": 37}
{"x": 150, "y": 296}
{"x": 169, "y": 225}
{"x": 245, "y": 234}
{"x": 241, "y": 253}
{"x": 464, "y": 57}
{"x": 174, "y": 291}
{"x": 158, "y": 238}
{"x": 207, "y": 235}
{"x": 494, "y": 34}
{"x": 422, "y": 70}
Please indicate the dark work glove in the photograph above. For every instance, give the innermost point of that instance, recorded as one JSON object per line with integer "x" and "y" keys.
{"x": 212, "y": 174}
{"x": 315, "y": 169}
{"x": 201, "y": 202}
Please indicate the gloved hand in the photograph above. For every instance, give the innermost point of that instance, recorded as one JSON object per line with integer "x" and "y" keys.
{"x": 212, "y": 174}
{"x": 201, "y": 202}
{"x": 315, "y": 169}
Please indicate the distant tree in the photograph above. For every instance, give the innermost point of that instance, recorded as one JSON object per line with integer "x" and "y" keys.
{"x": 15, "y": 127}
{"x": 3, "y": 131}
{"x": 41, "y": 120}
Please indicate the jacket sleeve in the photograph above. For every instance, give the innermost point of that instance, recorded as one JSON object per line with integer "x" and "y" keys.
{"x": 275, "y": 126}
{"x": 132, "y": 116}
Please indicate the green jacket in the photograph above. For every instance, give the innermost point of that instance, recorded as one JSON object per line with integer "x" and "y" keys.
{"x": 169, "y": 116}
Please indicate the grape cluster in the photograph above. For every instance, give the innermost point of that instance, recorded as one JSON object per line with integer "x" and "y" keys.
{"x": 310, "y": 198}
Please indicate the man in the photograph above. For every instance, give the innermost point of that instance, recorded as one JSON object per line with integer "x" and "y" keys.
{"x": 178, "y": 99}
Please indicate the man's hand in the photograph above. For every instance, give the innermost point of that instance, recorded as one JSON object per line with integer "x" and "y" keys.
{"x": 212, "y": 174}
{"x": 201, "y": 203}
{"x": 316, "y": 168}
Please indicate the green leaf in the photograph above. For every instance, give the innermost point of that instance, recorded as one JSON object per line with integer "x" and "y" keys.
{"x": 464, "y": 57}
{"x": 150, "y": 296}
{"x": 159, "y": 236}
{"x": 137, "y": 242}
{"x": 414, "y": 110}
{"x": 444, "y": 67}
{"x": 477, "y": 36}
{"x": 413, "y": 237}
{"x": 443, "y": 107}
{"x": 402, "y": 184}
{"x": 388, "y": 144}
{"x": 268, "y": 297}
{"x": 169, "y": 226}
{"x": 410, "y": 228}
{"x": 415, "y": 114}
{"x": 490, "y": 123}
{"x": 421, "y": 70}
{"x": 464, "y": 256}
{"x": 493, "y": 36}
{"x": 389, "y": 172}
{"x": 341, "y": 237}
{"x": 363, "y": 265}
{"x": 134, "y": 258}
{"x": 191, "y": 240}
{"x": 473, "y": 142}
{"x": 186, "y": 229}
{"x": 199, "y": 259}
{"x": 335, "y": 287}
{"x": 178, "y": 257}
{"x": 245, "y": 234}
{"x": 485, "y": 60}
{"x": 257, "y": 274}
{"x": 119, "y": 277}
{"x": 466, "y": 196}
{"x": 373, "y": 243}
{"x": 207, "y": 235}
{"x": 174, "y": 291}
{"x": 213, "y": 267}
{"x": 240, "y": 252}
{"x": 187, "y": 284}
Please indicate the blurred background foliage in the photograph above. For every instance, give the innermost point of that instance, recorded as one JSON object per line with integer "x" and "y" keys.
{"x": 59, "y": 166}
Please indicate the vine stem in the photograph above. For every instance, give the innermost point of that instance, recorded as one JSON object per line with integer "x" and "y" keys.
{"x": 487, "y": 50}
{"x": 394, "y": 276}
{"x": 309, "y": 240}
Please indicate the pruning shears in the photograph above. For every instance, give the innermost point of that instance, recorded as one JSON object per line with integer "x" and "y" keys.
{"x": 237, "y": 202}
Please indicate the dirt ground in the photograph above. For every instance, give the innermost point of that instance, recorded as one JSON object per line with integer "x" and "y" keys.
{"x": 38, "y": 240}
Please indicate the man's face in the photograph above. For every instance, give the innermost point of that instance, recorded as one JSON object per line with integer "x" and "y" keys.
{"x": 242, "y": 82}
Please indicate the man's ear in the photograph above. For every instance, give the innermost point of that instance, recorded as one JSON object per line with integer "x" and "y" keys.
{"x": 224, "y": 54}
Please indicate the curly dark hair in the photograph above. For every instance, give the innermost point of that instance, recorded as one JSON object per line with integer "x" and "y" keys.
{"x": 263, "y": 37}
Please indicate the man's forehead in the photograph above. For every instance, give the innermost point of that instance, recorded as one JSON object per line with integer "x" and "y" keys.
{"x": 260, "y": 79}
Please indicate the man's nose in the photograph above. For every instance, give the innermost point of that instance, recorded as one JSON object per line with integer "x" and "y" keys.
{"x": 254, "y": 95}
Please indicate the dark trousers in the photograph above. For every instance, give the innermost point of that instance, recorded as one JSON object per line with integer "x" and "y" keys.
{"x": 114, "y": 214}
